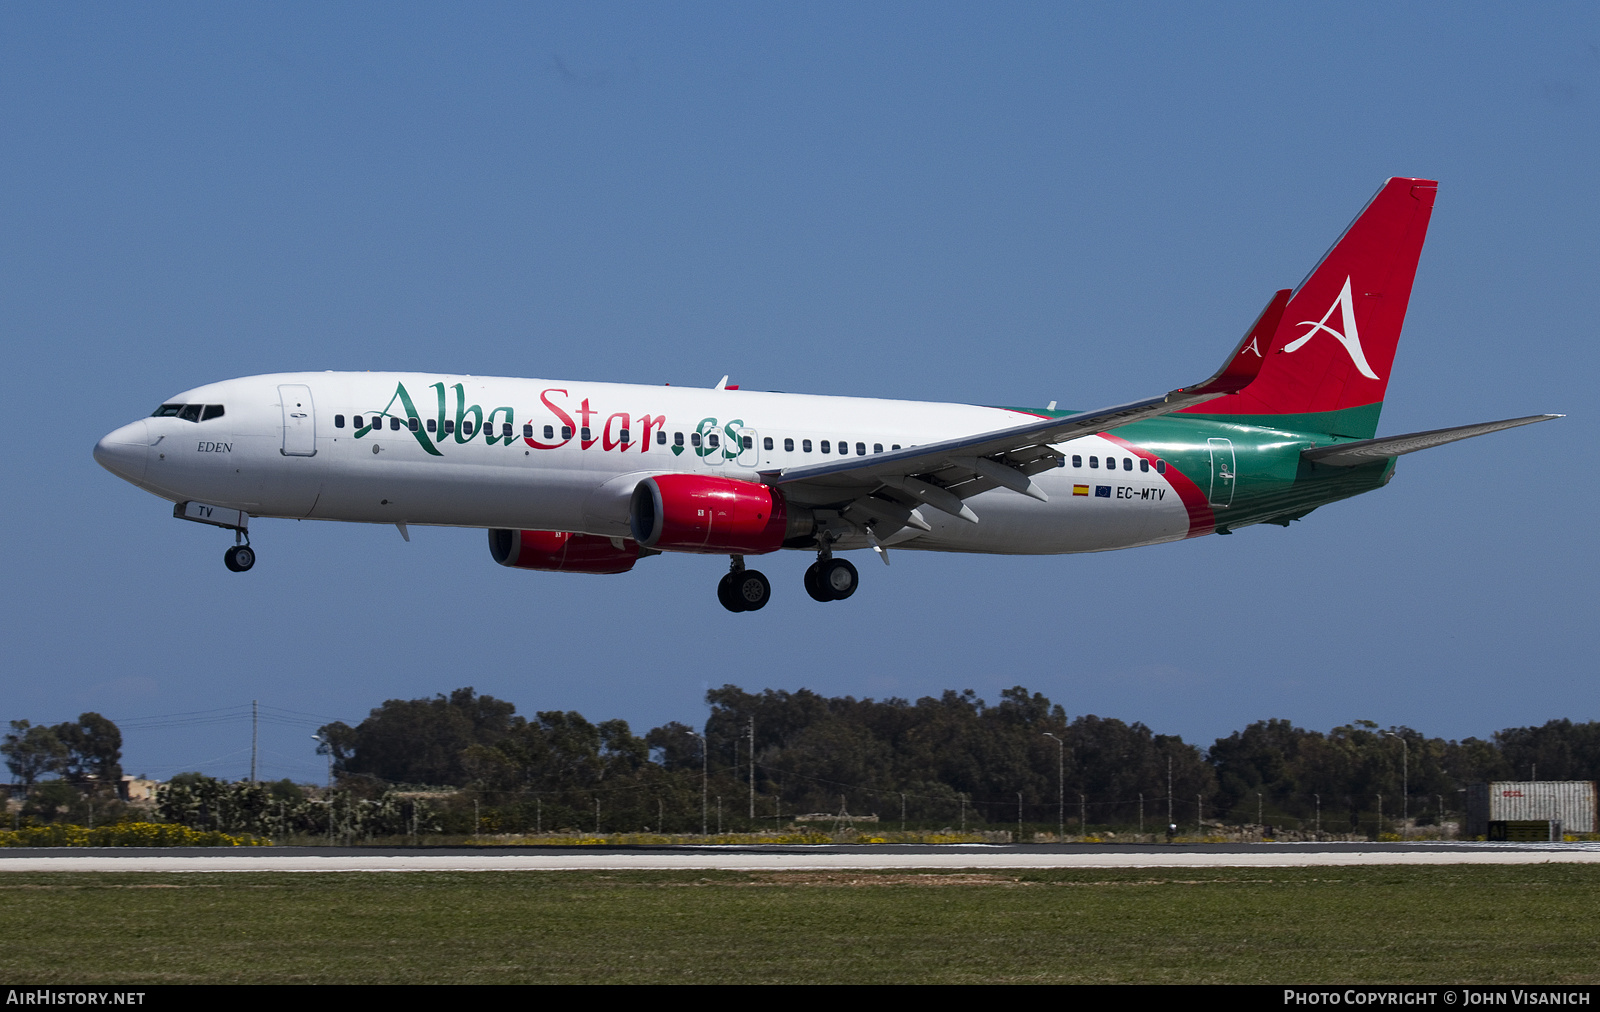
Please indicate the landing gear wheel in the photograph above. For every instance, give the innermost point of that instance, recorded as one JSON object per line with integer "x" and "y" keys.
{"x": 725, "y": 593}
{"x": 745, "y": 590}
{"x": 751, "y": 589}
{"x": 838, "y": 578}
{"x": 814, "y": 583}
{"x": 239, "y": 558}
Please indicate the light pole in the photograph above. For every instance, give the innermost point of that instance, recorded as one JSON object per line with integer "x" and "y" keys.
{"x": 1405, "y": 778}
{"x": 704, "y": 748}
{"x": 326, "y": 748}
{"x": 1061, "y": 788}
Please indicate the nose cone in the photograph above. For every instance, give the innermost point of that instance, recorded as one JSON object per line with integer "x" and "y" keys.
{"x": 125, "y": 451}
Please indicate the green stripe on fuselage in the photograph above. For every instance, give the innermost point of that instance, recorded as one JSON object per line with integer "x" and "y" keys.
{"x": 1271, "y": 480}
{"x": 1353, "y": 423}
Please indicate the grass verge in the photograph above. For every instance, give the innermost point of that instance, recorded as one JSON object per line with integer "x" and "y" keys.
{"x": 1449, "y": 924}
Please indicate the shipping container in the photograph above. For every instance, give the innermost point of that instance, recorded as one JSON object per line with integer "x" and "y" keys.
{"x": 1570, "y": 802}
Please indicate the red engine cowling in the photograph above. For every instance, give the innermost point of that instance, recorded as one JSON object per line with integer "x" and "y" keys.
{"x": 717, "y": 516}
{"x": 557, "y": 551}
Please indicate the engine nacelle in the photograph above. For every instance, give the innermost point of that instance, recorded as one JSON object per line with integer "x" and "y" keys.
{"x": 559, "y": 552}
{"x": 715, "y": 516}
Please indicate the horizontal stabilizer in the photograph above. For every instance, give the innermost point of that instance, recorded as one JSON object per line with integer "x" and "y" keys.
{"x": 1368, "y": 450}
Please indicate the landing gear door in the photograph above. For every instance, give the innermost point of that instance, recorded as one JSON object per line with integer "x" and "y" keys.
{"x": 299, "y": 421}
{"x": 1224, "y": 472}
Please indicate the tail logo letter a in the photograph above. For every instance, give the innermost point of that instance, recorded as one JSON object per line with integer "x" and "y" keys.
{"x": 1350, "y": 338}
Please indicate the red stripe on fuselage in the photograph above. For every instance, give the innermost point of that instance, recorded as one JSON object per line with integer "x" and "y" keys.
{"x": 1201, "y": 519}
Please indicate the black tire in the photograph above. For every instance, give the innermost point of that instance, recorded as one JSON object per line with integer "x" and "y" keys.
{"x": 239, "y": 558}
{"x": 752, "y": 589}
{"x": 725, "y": 594}
{"x": 814, "y": 583}
{"x": 838, "y": 578}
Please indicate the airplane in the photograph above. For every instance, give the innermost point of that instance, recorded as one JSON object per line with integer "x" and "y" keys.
{"x": 583, "y": 477}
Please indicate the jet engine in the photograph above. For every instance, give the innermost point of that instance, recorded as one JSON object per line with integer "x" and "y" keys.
{"x": 560, "y": 552}
{"x": 714, "y": 516}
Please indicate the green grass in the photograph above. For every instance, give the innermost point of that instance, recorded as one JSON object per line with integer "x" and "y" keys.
{"x": 1453, "y": 924}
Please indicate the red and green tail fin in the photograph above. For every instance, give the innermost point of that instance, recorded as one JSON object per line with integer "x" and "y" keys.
{"x": 1327, "y": 365}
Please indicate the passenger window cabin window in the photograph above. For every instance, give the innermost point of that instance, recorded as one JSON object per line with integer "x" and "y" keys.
{"x": 549, "y": 432}
{"x": 805, "y": 446}
{"x": 1094, "y": 461}
{"x": 766, "y": 442}
{"x": 627, "y": 437}
{"x": 877, "y": 447}
{"x": 212, "y": 411}
{"x": 566, "y": 432}
{"x": 827, "y": 447}
{"x": 861, "y": 449}
{"x": 1077, "y": 460}
{"x": 749, "y": 444}
{"x": 661, "y": 437}
{"x": 1144, "y": 465}
{"x": 677, "y": 439}
{"x": 450, "y": 426}
{"x": 713, "y": 440}
{"x": 394, "y": 424}
{"x": 527, "y": 432}
{"x": 788, "y": 445}
{"x": 895, "y": 446}
{"x": 411, "y": 423}
{"x": 1127, "y": 463}
{"x": 505, "y": 432}
{"x": 357, "y": 422}
{"x": 1161, "y": 467}
{"x": 191, "y": 412}
{"x": 338, "y": 421}
{"x": 694, "y": 439}
{"x": 432, "y": 425}
{"x": 583, "y": 434}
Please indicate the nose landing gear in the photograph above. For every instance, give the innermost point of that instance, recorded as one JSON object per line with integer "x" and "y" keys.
{"x": 240, "y": 557}
{"x": 743, "y": 589}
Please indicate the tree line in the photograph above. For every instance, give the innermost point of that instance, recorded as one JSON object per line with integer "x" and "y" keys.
{"x": 762, "y": 758}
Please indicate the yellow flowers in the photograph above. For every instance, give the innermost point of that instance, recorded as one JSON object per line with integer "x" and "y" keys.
{"x": 127, "y": 834}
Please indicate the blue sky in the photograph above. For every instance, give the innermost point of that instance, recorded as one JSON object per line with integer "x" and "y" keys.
{"x": 1003, "y": 204}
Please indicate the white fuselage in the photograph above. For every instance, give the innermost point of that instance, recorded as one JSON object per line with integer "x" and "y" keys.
{"x": 489, "y": 452}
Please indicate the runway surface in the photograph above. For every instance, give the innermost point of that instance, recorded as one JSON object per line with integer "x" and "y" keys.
{"x": 784, "y": 858}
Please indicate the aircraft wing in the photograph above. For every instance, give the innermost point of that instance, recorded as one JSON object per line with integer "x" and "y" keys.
{"x": 880, "y": 493}
{"x": 1368, "y": 450}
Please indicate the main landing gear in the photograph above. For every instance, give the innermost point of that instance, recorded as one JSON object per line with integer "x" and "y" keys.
{"x": 743, "y": 589}
{"x": 830, "y": 579}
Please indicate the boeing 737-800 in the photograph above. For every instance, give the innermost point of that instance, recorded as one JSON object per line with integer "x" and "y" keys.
{"x": 590, "y": 477}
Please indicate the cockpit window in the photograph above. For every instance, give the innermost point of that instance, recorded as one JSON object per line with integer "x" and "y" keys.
{"x": 189, "y": 412}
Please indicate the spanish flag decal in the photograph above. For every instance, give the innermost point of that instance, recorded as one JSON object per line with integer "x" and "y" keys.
{"x": 1080, "y": 490}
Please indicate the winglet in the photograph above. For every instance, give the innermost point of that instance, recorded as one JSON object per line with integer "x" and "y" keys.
{"x": 1244, "y": 365}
